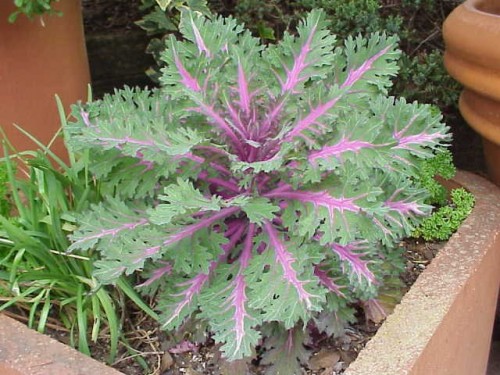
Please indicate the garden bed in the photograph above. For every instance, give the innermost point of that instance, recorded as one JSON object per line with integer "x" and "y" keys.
{"x": 459, "y": 286}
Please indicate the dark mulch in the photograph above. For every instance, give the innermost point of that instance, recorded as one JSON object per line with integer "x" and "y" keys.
{"x": 110, "y": 15}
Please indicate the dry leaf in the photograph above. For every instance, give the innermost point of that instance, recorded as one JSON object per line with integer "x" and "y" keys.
{"x": 324, "y": 359}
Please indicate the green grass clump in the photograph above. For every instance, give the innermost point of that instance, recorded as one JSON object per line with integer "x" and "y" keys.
{"x": 38, "y": 278}
{"x": 4, "y": 201}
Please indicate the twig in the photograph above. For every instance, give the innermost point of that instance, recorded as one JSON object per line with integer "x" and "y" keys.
{"x": 136, "y": 355}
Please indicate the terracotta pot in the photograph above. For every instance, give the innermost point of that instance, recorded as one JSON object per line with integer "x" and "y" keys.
{"x": 39, "y": 59}
{"x": 441, "y": 327}
{"x": 472, "y": 38}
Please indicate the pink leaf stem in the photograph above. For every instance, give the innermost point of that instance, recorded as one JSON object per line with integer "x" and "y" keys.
{"x": 327, "y": 281}
{"x": 352, "y": 253}
{"x": 203, "y": 223}
{"x": 238, "y": 299}
{"x": 344, "y": 145}
{"x": 111, "y": 232}
{"x": 318, "y": 198}
{"x": 293, "y": 75}
{"x": 220, "y": 123}
{"x": 194, "y": 288}
{"x": 355, "y": 75}
{"x": 157, "y": 274}
{"x": 243, "y": 90}
{"x": 125, "y": 140}
{"x": 285, "y": 259}
{"x": 186, "y": 78}
{"x": 237, "y": 124}
{"x": 246, "y": 253}
{"x": 311, "y": 118}
{"x": 202, "y": 48}
{"x": 234, "y": 238}
{"x": 417, "y": 139}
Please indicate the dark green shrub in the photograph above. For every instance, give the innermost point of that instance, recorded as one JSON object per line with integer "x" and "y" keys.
{"x": 416, "y": 22}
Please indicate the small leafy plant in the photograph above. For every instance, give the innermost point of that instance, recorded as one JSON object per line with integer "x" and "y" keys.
{"x": 453, "y": 207}
{"x": 263, "y": 188}
{"x": 446, "y": 220}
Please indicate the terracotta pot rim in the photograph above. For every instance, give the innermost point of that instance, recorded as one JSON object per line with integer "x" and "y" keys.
{"x": 475, "y": 7}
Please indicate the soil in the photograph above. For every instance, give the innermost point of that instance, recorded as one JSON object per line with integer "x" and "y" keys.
{"x": 330, "y": 355}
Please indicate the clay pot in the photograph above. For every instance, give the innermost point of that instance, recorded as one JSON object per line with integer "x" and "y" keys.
{"x": 442, "y": 326}
{"x": 40, "y": 58}
{"x": 472, "y": 38}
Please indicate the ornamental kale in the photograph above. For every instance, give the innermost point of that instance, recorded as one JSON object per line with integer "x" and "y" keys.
{"x": 263, "y": 185}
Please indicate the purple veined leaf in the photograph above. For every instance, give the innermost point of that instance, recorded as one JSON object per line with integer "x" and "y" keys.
{"x": 212, "y": 149}
{"x": 243, "y": 90}
{"x": 229, "y": 185}
{"x": 272, "y": 116}
{"x": 190, "y": 156}
{"x": 194, "y": 287}
{"x": 356, "y": 74}
{"x": 212, "y": 114}
{"x": 112, "y": 232}
{"x": 327, "y": 281}
{"x": 319, "y": 198}
{"x": 238, "y": 297}
{"x": 387, "y": 232}
{"x": 285, "y": 260}
{"x": 311, "y": 119}
{"x": 187, "y": 79}
{"x": 236, "y": 122}
{"x": 336, "y": 150}
{"x": 293, "y": 76}
{"x": 405, "y": 207}
{"x": 106, "y": 141}
{"x": 353, "y": 76}
{"x": 353, "y": 253}
{"x": 198, "y": 159}
{"x": 86, "y": 120}
{"x": 406, "y": 142}
{"x": 189, "y": 230}
{"x": 200, "y": 43}
{"x": 234, "y": 236}
{"x": 157, "y": 274}
{"x": 147, "y": 253}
